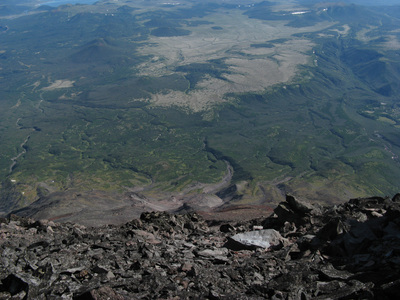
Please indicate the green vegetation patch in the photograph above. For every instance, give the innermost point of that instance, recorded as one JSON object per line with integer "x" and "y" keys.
{"x": 169, "y": 31}
{"x": 262, "y": 45}
{"x": 196, "y": 72}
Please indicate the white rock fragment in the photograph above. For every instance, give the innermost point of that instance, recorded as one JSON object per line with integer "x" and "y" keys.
{"x": 259, "y": 238}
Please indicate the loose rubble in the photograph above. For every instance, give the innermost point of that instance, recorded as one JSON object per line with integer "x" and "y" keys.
{"x": 302, "y": 251}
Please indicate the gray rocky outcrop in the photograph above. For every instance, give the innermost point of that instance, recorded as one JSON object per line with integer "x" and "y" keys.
{"x": 304, "y": 251}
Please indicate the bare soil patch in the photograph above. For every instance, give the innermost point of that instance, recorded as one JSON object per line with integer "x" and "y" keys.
{"x": 59, "y": 84}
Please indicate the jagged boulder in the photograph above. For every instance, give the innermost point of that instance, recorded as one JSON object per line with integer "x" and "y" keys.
{"x": 293, "y": 211}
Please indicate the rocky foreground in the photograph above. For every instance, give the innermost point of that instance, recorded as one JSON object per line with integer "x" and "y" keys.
{"x": 302, "y": 251}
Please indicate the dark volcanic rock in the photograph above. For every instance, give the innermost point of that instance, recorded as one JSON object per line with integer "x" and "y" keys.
{"x": 349, "y": 251}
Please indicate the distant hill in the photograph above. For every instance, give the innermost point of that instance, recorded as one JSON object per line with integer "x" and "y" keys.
{"x": 382, "y": 75}
{"x": 99, "y": 50}
{"x": 6, "y": 10}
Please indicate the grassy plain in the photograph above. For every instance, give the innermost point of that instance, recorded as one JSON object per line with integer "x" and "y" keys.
{"x": 248, "y": 69}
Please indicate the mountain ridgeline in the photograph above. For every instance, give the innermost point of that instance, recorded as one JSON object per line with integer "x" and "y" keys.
{"x": 302, "y": 250}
